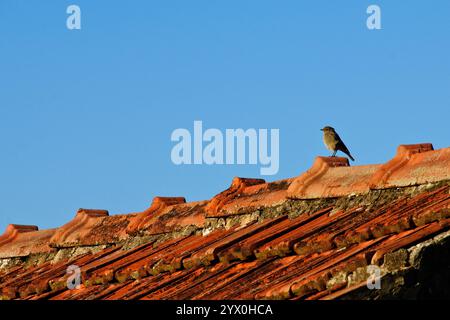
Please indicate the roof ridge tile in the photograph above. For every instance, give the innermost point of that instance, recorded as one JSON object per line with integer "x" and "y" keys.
{"x": 158, "y": 204}
{"x": 84, "y": 218}
{"x": 404, "y": 154}
{"x": 13, "y": 230}
{"x": 238, "y": 186}
{"x": 413, "y": 165}
{"x": 299, "y": 188}
{"x": 93, "y": 213}
{"x": 332, "y": 177}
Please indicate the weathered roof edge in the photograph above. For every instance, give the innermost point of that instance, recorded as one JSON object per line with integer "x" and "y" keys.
{"x": 329, "y": 177}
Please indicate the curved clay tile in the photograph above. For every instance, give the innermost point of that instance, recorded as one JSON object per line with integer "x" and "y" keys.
{"x": 325, "y": 177}
{"x": 413, "y": 165}
{"x": 158, "y": 204}
{"x": 13, "y": 230}
{"x": 256, "y": 197}
{"x": 332, "y": 177}
{"x": 20, "y": 241}
{"x": 72, "y": 232}
{"x": 235, "y": 190}
{"x": 404, "y": 153}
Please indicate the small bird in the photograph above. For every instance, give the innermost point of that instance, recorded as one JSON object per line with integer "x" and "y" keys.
{"x": 333, "y": 142}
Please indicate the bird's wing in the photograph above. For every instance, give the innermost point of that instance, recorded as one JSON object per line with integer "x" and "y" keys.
{"x": 342, "y": 147}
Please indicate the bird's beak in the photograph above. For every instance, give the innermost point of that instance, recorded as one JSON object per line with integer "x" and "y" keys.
{"x": 321, "y": 129}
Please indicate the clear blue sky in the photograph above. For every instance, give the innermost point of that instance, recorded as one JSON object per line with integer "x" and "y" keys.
{"x": 86, "y": 116}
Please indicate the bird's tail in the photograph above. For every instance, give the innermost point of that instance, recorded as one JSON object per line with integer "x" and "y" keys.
{"x": 344, "y": 149}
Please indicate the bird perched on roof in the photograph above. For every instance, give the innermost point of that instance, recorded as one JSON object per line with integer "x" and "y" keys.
{"x": 333, "y": 142}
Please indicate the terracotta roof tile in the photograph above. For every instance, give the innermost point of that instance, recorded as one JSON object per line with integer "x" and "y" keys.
{"x": 249, "y": 198}
{"x": 415, "y": 165}
{"x": 74, "y": 232}
{"x": 237, "y": 188}
{"x": 333, "y": 177}
{"x": 20, "y": 241}
{"x": 408, "y": 238}
{"x": 216, "y": 250}
{"x": 307, "y": 237}
{"x": 146, "y": 218}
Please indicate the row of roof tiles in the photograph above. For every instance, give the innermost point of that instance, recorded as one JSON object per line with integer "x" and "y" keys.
{"x": 279, "y": 258}
{"x": 328, "y": 178}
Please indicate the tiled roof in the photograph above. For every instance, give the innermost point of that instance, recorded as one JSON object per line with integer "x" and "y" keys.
{"x": 309, "y": 237}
